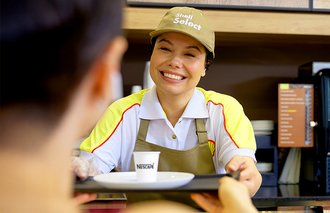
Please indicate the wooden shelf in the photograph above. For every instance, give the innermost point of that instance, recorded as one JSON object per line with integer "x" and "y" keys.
{"x": 255, "y": 50}
{"x": 237, "y": 25}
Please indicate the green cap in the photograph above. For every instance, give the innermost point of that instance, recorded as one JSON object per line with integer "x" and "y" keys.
{"x": 189, "y": 21}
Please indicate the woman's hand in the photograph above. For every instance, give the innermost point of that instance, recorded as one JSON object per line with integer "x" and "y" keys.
{"x": 84, "y": 168}
{"x": 249, "y": 174}
{"x": 233, "y": 197}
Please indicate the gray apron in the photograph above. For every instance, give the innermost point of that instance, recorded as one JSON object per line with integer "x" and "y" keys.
{"x": 197, "y": 160}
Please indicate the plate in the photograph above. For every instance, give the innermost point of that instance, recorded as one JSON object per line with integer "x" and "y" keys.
{"x": 264, "y": 167}
{"x": 262, "y": 125}
{"x": 257, "y": 132}
{"x": 127, "y": 180}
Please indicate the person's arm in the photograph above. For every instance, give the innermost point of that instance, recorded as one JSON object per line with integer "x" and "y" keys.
{"x": 81, "y": 198}
{"x": 235, "y": 141}
{"x": 101, "y": 151}
{"x": 233, "y": 197}
{"x": 83, "y": 168}
{"x": 249, "y": 174}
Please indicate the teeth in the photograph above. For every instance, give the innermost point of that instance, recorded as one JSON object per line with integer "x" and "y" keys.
{"x": 176, "y": 77}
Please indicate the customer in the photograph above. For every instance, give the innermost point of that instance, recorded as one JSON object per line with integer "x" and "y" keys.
{"x": 167, "y": 117}
{"x": 57, "y": 57}
{"x": 233, "y": 198}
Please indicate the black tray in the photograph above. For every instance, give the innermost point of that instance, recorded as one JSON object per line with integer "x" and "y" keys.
{"x": 200, "y": 183}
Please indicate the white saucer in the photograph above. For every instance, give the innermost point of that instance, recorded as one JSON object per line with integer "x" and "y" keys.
{"x": 127, "y": 180}
{"x": 257, "y": 132}
{"x": 262, "y": 125}
{"x": 264, "y": 167}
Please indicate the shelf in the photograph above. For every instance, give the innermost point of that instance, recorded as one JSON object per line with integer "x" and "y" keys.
{"x": 240, "y": 26}
{"x": 267, "y": 152}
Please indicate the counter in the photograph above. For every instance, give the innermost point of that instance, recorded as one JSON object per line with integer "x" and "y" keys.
{"x": 292, "y": 195}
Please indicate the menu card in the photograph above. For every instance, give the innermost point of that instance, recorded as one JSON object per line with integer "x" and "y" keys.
{"x": 295, "y": 115}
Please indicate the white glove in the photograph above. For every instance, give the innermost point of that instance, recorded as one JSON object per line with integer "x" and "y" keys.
{"x": 84, "y": 168}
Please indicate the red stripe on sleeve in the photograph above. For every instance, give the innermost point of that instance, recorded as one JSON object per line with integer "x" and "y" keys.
{"x": 224, "y": 119}
{"x": 115, "y": 128}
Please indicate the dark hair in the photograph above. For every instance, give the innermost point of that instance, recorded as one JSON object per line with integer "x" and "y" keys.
{"x": 208, "y": 58}
{"x": 48, "y": 45}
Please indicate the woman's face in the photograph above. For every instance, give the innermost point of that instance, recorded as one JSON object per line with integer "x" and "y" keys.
{"x": 177, "y": 64}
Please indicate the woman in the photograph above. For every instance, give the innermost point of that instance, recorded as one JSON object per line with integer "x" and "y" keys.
{"x": 196, "y": 130}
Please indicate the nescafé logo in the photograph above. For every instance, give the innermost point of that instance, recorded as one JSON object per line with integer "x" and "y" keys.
{"x": 145, "y": 166}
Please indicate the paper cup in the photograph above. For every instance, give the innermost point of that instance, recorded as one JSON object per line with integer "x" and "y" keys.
{"x": 146, "y": 166}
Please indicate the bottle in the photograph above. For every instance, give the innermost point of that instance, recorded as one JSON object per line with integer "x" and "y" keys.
{"x": 136, "y": 88}
{"x": 147, "y": 81}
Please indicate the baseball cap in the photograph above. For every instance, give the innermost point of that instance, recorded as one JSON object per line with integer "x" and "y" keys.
{"x": 189, "y": 21}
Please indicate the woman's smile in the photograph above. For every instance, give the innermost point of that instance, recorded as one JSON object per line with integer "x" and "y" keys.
{"x": 172, "y": 76}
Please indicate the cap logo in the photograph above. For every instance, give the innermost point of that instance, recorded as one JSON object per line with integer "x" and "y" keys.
{"x": 186, "y": 20}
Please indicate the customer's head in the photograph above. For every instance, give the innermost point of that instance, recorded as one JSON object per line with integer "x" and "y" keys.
{"x": 191, "y": 22}
{"x": 57, "y": 57}
{"x": 47, "y": 46}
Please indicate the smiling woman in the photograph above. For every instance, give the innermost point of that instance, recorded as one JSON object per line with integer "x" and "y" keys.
{"x": 196, "y": 131}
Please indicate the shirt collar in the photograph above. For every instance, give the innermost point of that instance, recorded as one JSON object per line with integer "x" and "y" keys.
{"x": 150, "y": 106}
{"x": 196, "y": 107}
{"x": 151, "y": 109}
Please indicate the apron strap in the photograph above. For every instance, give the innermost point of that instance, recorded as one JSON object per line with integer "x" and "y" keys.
{"x": 144, "y": 124}
{"x": 201, "y": 131}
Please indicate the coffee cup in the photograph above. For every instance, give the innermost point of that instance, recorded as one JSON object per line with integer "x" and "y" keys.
{"x": 146, "y": 165}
